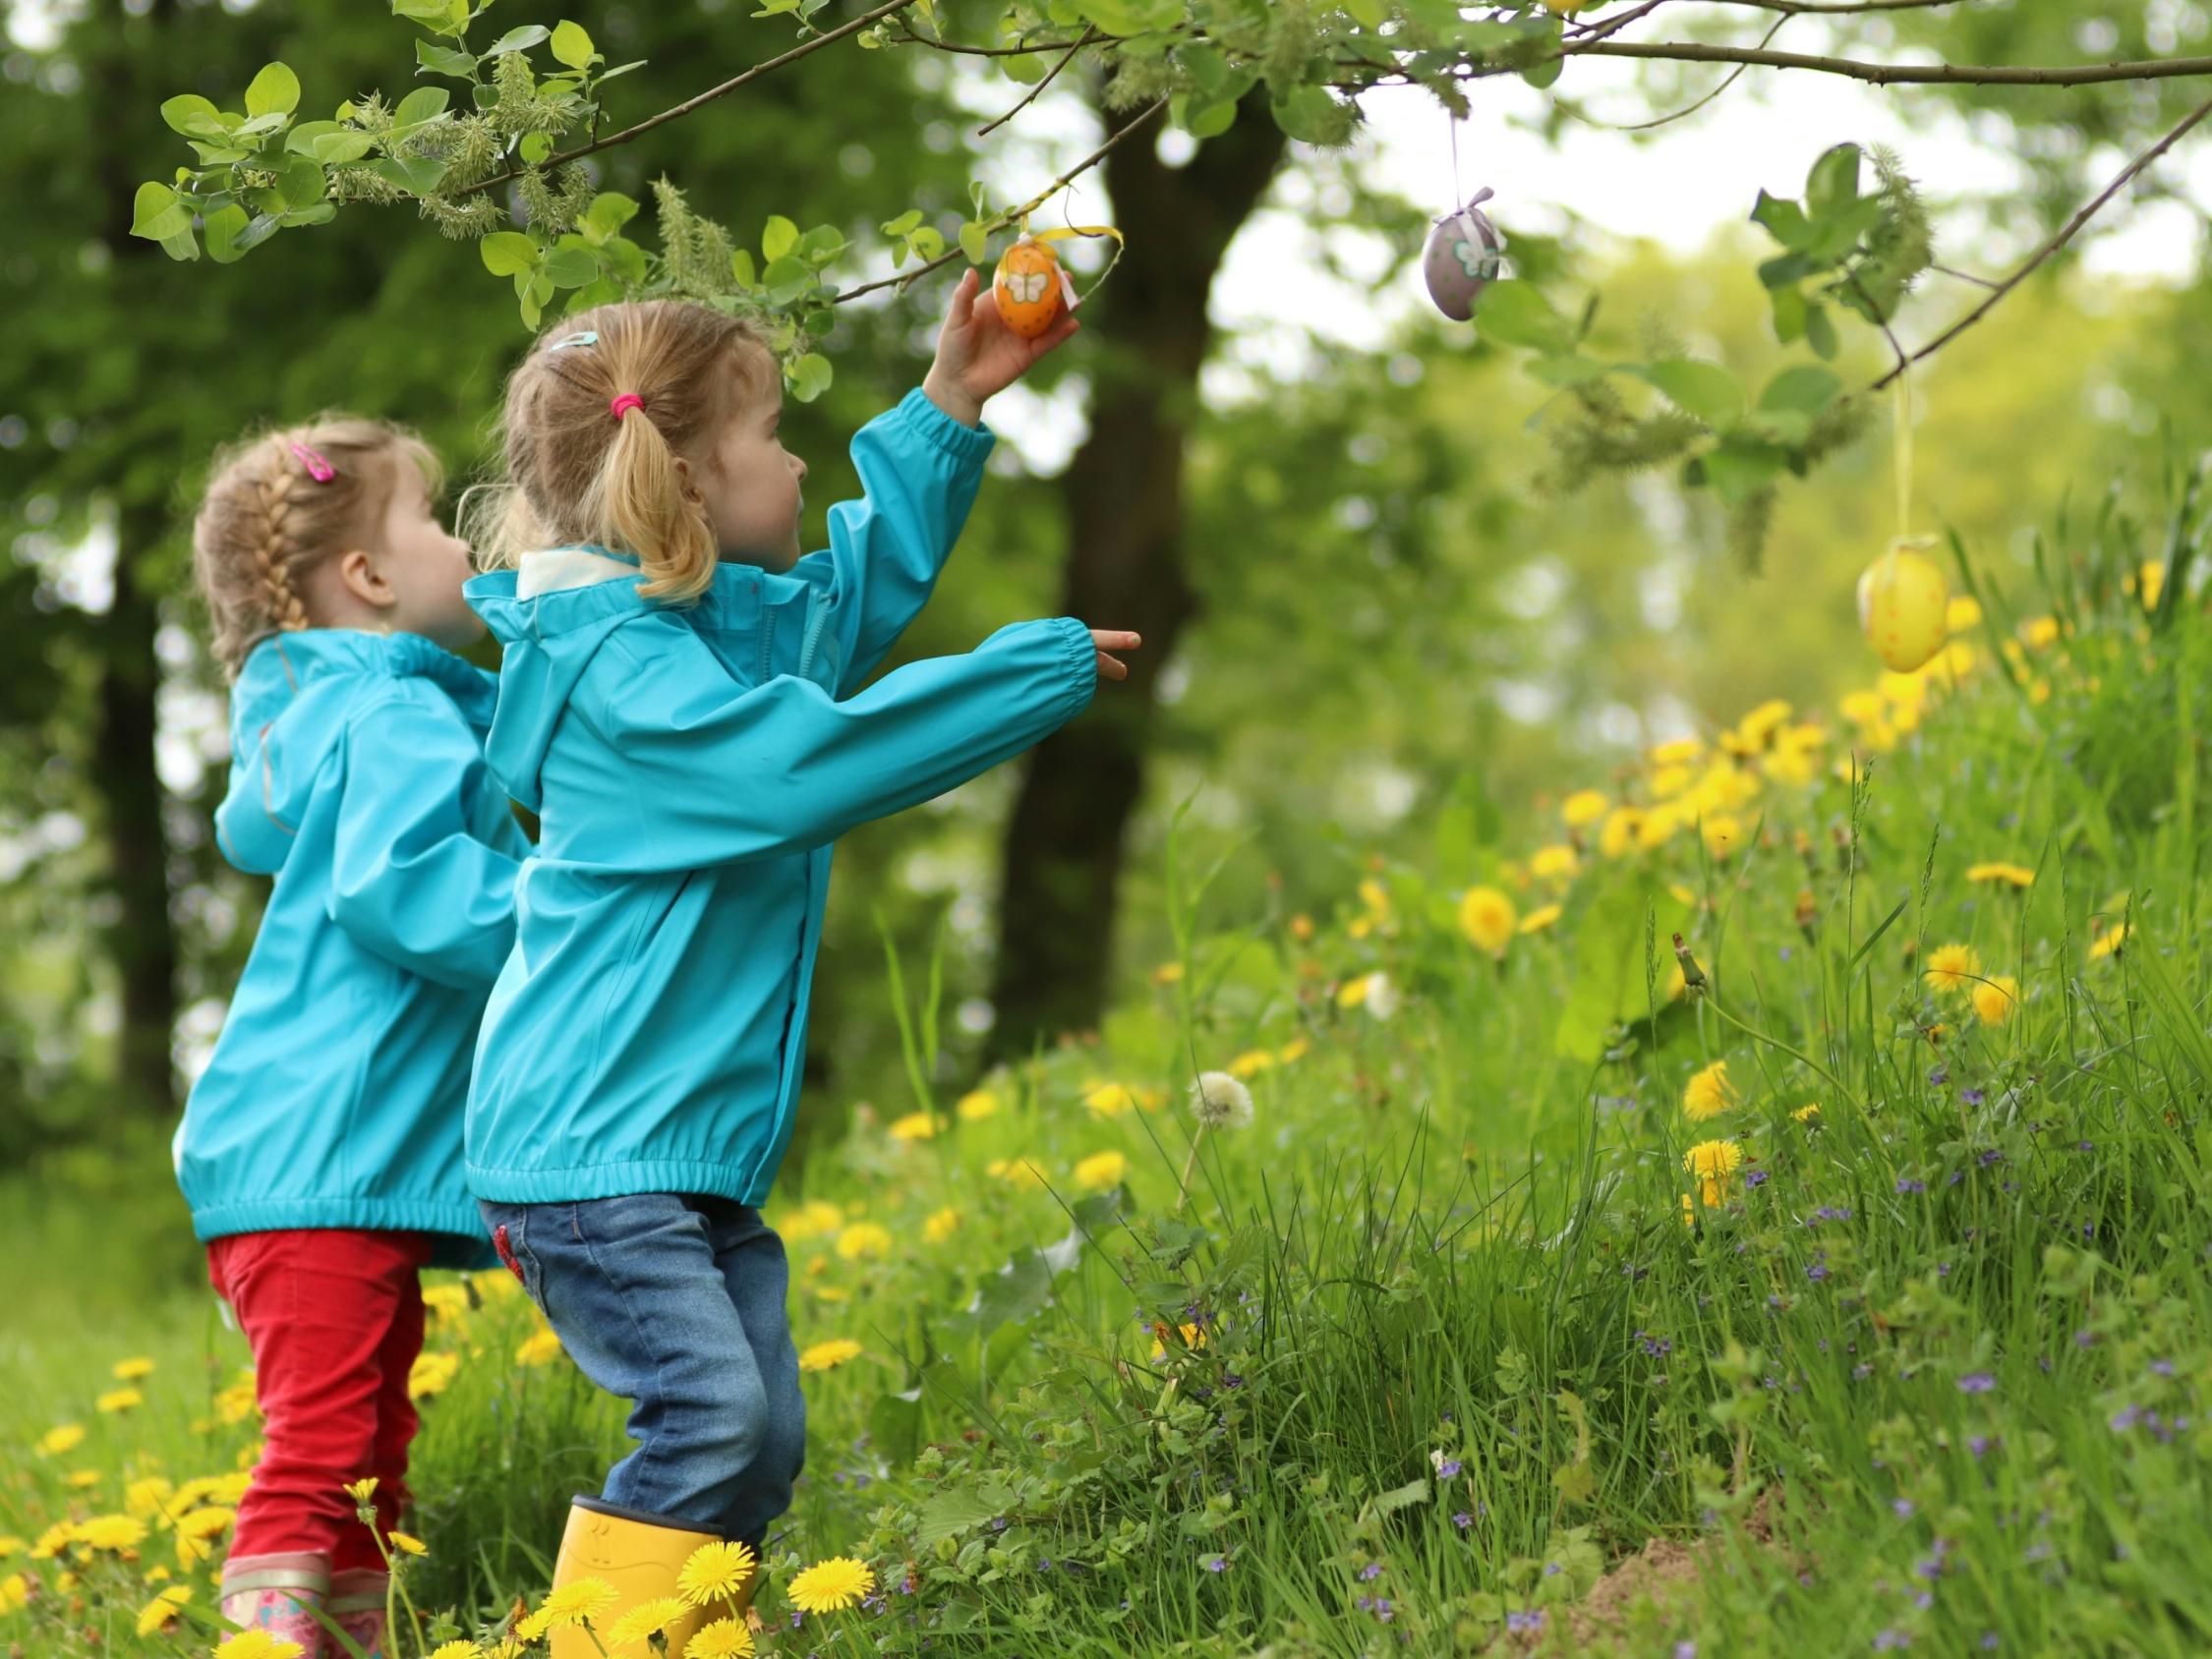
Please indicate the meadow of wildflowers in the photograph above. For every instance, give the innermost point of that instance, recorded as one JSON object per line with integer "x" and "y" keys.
{"x": 1467, "y": 1270}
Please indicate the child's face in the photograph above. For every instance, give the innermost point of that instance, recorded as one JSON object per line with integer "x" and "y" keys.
{"x": 423, "y": 566}
{"x": 751, "y": 484}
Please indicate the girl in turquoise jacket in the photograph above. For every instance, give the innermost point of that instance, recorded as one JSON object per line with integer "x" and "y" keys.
{"x": 681, "y": 702}
{"x": 320, "y": 1148}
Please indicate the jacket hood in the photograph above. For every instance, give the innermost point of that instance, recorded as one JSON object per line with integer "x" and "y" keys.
{"x": 288, "y": 712}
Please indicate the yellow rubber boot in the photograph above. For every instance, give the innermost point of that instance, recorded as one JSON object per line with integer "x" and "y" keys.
{"x": 641, "y": 1557}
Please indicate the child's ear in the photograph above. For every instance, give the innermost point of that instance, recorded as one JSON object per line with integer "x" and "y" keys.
{"x": 691, "y": 492}
{"x": 360, "y": 578}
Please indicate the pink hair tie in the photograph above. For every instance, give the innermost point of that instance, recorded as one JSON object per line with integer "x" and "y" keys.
{"x": 623, "y": 404}
{"x": 318, "y": 468}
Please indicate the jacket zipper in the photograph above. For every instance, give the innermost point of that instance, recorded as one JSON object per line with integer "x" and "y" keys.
{"x": 817, "y": 614}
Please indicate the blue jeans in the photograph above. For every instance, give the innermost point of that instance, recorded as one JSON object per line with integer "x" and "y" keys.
{"x": 678, "y": 1304}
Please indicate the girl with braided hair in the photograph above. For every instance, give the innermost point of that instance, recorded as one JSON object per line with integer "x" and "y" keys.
{"x": 320, "y": 1149}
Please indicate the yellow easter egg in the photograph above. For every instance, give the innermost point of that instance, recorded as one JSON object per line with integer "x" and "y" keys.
{"x": 1903, "y": 608}
{"x": 1030, "y": 288}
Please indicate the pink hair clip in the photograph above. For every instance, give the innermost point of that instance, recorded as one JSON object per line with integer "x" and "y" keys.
{"x": 318, "y": 468}
{"x": 622, "y": 404}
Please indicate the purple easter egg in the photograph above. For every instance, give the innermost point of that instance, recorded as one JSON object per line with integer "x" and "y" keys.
{"x": 1461, "y": 258}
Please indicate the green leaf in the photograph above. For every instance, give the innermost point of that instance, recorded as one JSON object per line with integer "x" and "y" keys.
{"x": 894, "y": 1426}
{"x": 1515, "y": 313}
{"x": 819, "y": 246}
{"x": 811, "y": 378}
{"x": 1606, "y": 985}
{"x": 424, "y": 103}
{"x": 788, "y": 278}
{"x": 742, "y": 269}
{"x": 1741, "y": 468}
{"x": 194, "y": 116}
{"x": 1834, "y": 182}
{"x": 518, "y": 39}
{"x": 1789, "y": 313}
{"x": 570, "y": 268}
{"x": 1704, "y": 390}
{"x": 257, "y": 230}
{"x": 417, "y": 173}
{"x": 1820, "y": 331}
{"x": 1575, "y": 1481}
{"x": 609, "y": 211}
{"x": 778, "y": 238}
{"x": 1131, "y": 17}
{"x": 1544, "y": 71}
{"x": 1203, "y": 118}
{"x": 1024, "y": 67}
{"x": 535, "y": 147}
{"x": 572, "y": 45}
{"x": 1400, "y": 1497}
{"x": 443, "y": 60}
{"x": 157, "y": 212}
{"x": 302, "y": 182}
{"x": 1308, "y": 114}
{"x": 946, "y": 1515}
{"x": 183, "y": 246}
{"x": 222, "y": 228}
{"x": 906, "y": 222}
{"x": 1784, "y": 220}
{"x": 273, "y": 92}
{"x": 975, "y": 241}
{"x": 318, "y": 214}
{"x": 1567, "y": 370}
{"x": 1805, "y": 387}
{"x": 335, "y": 149}
{"x": 507, "y": 253}
{"x": 1025, "y": 1285}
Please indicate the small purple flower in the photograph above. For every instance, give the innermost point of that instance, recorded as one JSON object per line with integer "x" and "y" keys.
{"x": 2085, "y": 1338}
{"x": 2161, "y": 1367}
{"x": 1939, "y": 1075}
{"x": 1981, "y": 1444}
{"x": 1529, "y": 1622}
{"x": 1215, "y": 1564}
{"x": 1901, "y": 1508}
{"x": 2126, "y": 1418}
{"x": 1886, "y": 1641}
{"x": 1905, "y": 1183}
{"x": 1977, "y": 1381}
{"x": 1551, "y": 1569}
{"x": 1991, "y": 1156}
{"x": 2085, "y": 1146}
{"x": 1972, "y": 1097}
{"x": 1462, "y": 1520}
{"x": 1685, "y": 1650}
{"x": 1755, "y": 1178}
{"x": 1817, "y": 1272}
{"x": 1989, "y": 1641}
{"x": 1861, "y": 1371}
{"x": 1448, "y": 1469}
{"x": 1371, "y": 1572}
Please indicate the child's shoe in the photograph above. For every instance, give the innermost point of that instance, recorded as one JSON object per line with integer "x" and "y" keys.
{"x": 359, "y": 1601}
{"x": 641, "y": 1556}
{"x": 279, "y": 1594}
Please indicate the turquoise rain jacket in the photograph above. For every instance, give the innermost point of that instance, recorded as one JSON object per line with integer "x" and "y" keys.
{"x": 336, "y": 1091}
{"x": 692, "y": 765}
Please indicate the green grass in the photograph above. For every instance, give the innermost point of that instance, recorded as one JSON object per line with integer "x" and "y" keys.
{"x": 1932, "y": 1372}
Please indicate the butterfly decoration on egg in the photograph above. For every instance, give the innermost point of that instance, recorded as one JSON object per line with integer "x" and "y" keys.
{"x": 1463, "y": 256}
{"x": 1031, "y": 287}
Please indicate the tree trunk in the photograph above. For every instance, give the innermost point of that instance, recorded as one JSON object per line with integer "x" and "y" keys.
{"x": 1124, "y": 492}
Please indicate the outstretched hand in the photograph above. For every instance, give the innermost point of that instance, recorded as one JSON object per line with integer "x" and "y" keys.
{"x": 979, "y": 355}
{"x": 1107, "y": 641}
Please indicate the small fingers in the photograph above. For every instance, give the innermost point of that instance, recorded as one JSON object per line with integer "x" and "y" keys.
{"x": 1112, "y": 667}
{"x": 1115, "y": 639}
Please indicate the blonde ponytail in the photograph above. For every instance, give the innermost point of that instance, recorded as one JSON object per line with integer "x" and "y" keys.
{"x": 583, "y": 472}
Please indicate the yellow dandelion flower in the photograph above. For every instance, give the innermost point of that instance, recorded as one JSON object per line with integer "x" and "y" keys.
{"x": 67, "y": 1437}
{"x": 2013, "y": 875}
{"x": 361, "y": 1491}
{"x": 117, "y": 1401}
{"x": 976, "y": 1105}
{"x": 1016, "y": 1172}
{"x": 146, "y": 1497}
{"x": 1375, "y": 897}
{"x": 1167, "y": 973}
{"x": 406, "y": 1543}
{"x": 578, "y": 1603}
{"x": 1582, "y": 808}
{"x": 11, "y": 1546}
{"x": 1714, "y": 1160}
{"x": 130, "y": 1370}
{"x": 1678, "y": 753}
{"x": 1708, "y": 1093}
{"x": 1296, "y": 1049}
{"x": 541, "y": 1347}
{"x": 828, "y": 1587}
{"x": 1658, "y": 825}
{"x": 1539, "y": 919}
{"x": 725, "y": 1639}
{"x": 941, "y": 1226}
{"x": 810, "y": 1220}
{"x": 1963, "y": 612}
{"x": 1188, "y": 1335}
{"x": 1805, "y": 1114}
{"x": 112, "y": 1532}
{"x": 1617, "y": 836}
{"x": 1109, "y": 1100}
{"x": 432, "y": 1374}
{"x": 162, "y": 1611}
{"x": 1100, "y": 1170}
{"x": 1554, "y": 863}
{"x": 1352, "y": 993}
{"x": 206, "y": 1522}
{"x": 2040, "y": 632}
{"x": 257, "y": 1644}
{"x": 863, "y": 1239}
{"x": 2151, "y": 580}
{"x": 647, "y": 1619}
{"x": 1952, "y": 967}
{"x": 532, "y": 1627}
{"x": 716, "y": 1571}
{"x": 1669, "y": 781}
{"x": 15, "y": 1592}
{"x": 457, "y": 1650}
{"x": 1486, "y": 917}
{"x": 828, "y": 1355}
{"x": 2109, "y": 942}
{"x": 1996, "y": 997}
{"x": 55, "y": 1539}
{"x": 1723, "y": 832}
{"x": 1252, "y": 1063}
{"x": 447, "y": 1302}
{"x": 82, "y": 1480}
{"x": 914, "y": 1126}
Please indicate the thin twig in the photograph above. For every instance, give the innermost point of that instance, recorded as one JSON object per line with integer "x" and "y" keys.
{"x": 1012, "y": 214}
{"x": 1841, "y": 7}
{"x": 1963, "y": 276}
{"x": 1875, "y": 73}
{"x": 678, "y": 111}
{"x": 911, "y": 38}
{"x": 1051, "y": 75}
{"x": 2064, "y": 236}
{"x": 1733, "y": 75}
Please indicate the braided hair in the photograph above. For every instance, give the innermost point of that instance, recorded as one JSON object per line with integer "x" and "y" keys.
{"x": 280, "y": 504}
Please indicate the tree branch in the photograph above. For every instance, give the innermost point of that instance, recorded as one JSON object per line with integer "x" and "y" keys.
{"x": 1012, "y": 214}
{"x": 1090, "y": 37}
{"x": 2064, "y": 235}
{"x": 1839, "y": 8}
{"x": 684, "y": 108}
{"x": 1889, "y": 75}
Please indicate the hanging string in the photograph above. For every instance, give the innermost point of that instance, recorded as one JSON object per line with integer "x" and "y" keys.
{"x": 1902, "y": 420}
{"x": 1451, "y": 125}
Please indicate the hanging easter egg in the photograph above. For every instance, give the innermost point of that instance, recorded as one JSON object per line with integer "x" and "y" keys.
{"x": 1031, "y": 287}
{"x": 1461, "y": 258}
{"x": 1903, "y": 605}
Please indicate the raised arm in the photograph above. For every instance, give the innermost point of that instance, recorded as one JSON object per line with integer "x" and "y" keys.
{"x": 693, "y": 770}
{"x": 409, "y": 882}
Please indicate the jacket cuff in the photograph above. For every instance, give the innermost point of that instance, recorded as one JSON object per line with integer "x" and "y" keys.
{"x": 1082, "y": 663}
{"x": 922, "y": 418}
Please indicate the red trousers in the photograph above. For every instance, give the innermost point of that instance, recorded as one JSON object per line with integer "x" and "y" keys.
{"x": 335, "y": 1317}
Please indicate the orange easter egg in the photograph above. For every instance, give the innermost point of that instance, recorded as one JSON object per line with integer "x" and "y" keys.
{"x": 1903, "y": 606}
{"x": 1030, "y": 287}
